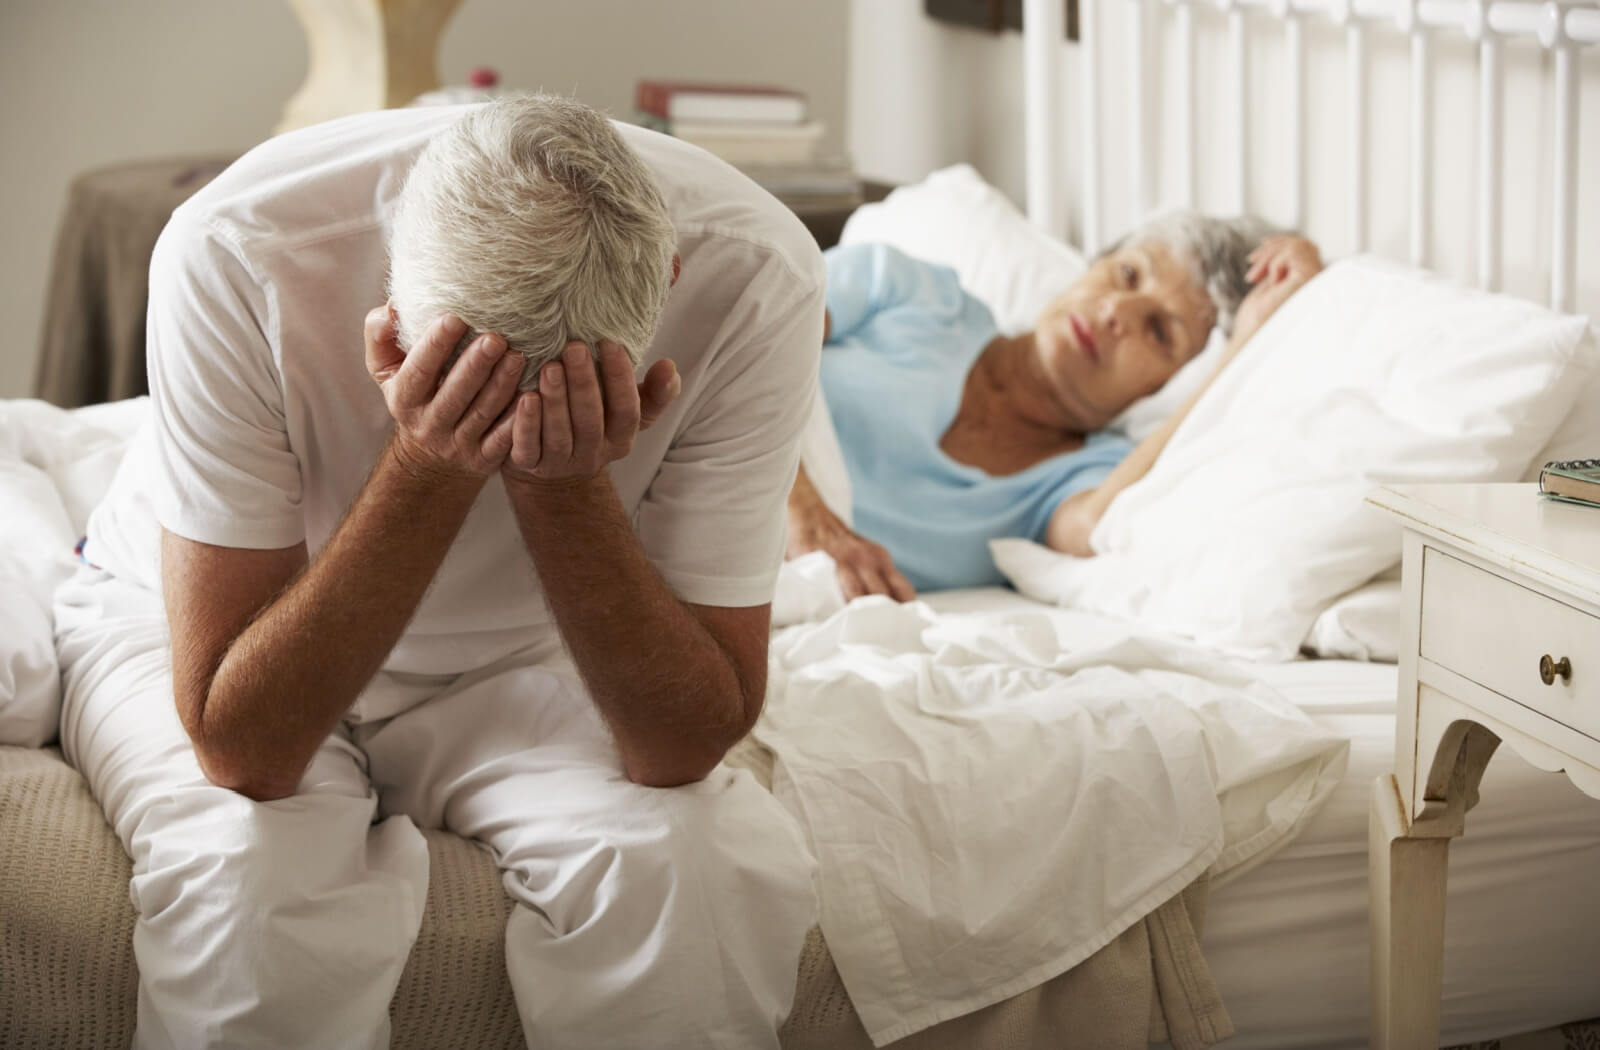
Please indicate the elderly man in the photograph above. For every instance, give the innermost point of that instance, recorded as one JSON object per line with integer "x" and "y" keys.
{"x": 473, "y": 578}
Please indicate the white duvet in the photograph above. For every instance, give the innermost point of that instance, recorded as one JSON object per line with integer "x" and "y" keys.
{"x": 991, "y": 801}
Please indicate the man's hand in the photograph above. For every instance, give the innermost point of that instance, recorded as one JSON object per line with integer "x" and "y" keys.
{"x": 585, "y": 414}
{"x": 458, "y": 427}
{"x": 863, "y": 567}
{"x": 1279, "y": 267}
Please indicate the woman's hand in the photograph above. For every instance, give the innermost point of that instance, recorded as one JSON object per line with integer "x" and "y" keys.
{"x": 585, "y": 414}
{"x": 863, "y": 567}
{"x": 1279, "y": 267}
{"x": 1074, "y": 519}
{"x": 455, "y": 427}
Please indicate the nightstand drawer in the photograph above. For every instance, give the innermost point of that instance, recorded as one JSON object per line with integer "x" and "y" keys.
{"x": 1495, "y": 632}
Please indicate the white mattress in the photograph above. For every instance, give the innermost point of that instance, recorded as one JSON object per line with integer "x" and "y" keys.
{"x": 1287, "y": 940}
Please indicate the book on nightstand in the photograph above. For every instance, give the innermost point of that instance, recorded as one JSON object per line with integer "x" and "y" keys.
{"x": 684, "y": 100}
{"x": 1572, "y": 481}
{"x": 745, "y": 143}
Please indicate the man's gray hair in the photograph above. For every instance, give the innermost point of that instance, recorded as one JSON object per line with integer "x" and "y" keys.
{"x": 531, "y": 217}
{"x": 1217, "y": 252}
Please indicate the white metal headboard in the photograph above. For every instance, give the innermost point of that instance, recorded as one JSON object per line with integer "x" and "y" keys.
{"x": 1560, "y": 29}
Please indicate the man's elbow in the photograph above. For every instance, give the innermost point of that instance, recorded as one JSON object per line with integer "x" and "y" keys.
{"x": 234, "y": 768}
{"x": 245, "y": 778}
{"x": 678, "y": 766}
{"x": 690, "y": 761}
{"x": 667, "y": 774}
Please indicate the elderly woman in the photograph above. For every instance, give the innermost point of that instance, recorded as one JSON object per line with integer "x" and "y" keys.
{"x": 955, "y": 434}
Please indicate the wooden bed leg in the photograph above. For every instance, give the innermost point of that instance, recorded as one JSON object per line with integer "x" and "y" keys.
{"x": 1406, "y": 881}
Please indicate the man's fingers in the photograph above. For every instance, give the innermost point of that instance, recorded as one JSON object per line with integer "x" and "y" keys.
{"x": 466, "y": 380}
{"x": 584, "y": 403}
{"x": 555, "y": 432}
{"x": 488, "y": 407}
{"x": 527, "y": 435}
{"x": 384, "y": 356}
{"x": 621, "y": 394}
{"x": 418, "y": 377}
{"x": 496, "y": 444}
{"x": 850, "y": 584}
{"x": 660, "y": 388}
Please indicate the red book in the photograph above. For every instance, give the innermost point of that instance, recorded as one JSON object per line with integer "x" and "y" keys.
{"x": 685, "y": 100}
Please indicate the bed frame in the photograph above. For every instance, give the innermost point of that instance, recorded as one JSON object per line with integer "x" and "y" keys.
{"x": 1560, "y": 28}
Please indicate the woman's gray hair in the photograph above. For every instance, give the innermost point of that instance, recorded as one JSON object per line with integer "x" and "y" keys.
{"x": 531, "y": 217}
{"x": 1217, "y": 252}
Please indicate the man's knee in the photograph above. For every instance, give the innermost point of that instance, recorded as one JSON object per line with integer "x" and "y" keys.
{"x": 689, "y": 910}
{"x": 674, "y": 860}
{"x": 273, "y": 924}
{"x": 242, "y": 856}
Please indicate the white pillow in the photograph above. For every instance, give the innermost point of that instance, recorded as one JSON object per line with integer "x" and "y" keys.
{"x": 1361, "y": 625}
{"x": 1253, "y": 519}
{"x": 1578, "y": 436}
{"x": 955, "y": 218}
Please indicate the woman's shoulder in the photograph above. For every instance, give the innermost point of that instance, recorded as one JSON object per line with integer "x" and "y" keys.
{"x": 886, "y": 263}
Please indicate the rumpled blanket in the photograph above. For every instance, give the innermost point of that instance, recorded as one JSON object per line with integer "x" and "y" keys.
{"x": 992, "y": 802}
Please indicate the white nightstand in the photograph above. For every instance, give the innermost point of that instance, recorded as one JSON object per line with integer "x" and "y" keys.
{"x": 1501, "y": 643}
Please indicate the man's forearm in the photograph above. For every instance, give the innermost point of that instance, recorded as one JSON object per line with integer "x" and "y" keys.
{"x": 295, "y": 670}
{"x": 670, "y": 694}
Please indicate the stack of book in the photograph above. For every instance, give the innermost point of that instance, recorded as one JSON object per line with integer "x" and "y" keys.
{"x": 761, "y": 129}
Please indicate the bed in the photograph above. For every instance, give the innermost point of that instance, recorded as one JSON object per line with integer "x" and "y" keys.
{"x": 1286, "y": 942}
{"x": 1284, "y": 937}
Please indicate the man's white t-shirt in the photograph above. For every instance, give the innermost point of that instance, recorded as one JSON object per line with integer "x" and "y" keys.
{"x": 266, "y": 423}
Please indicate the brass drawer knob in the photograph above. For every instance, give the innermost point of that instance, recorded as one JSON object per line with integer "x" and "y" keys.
{"x": 1549, "y": 669}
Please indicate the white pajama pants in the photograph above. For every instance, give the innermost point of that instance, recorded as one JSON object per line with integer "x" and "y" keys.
{"x": 645, "y": 917}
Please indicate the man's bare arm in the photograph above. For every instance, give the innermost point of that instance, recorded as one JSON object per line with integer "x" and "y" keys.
{"x": 678, "y": 684}
{"x": 269, "y": 651}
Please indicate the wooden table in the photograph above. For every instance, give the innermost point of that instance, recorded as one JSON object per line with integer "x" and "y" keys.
{"x": 1502, "y": 643}
{"x": 92, "y": 342}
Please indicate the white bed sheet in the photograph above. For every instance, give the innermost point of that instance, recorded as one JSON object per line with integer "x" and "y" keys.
{"x": 1287, "y": 940}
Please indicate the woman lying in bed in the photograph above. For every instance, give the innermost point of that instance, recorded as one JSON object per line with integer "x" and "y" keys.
{"x": 954, "y": 434}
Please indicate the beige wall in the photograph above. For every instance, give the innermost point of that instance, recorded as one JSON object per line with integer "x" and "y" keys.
{"x": 86, "y": 83}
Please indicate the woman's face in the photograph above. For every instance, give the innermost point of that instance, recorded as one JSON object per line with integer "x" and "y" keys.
{"x": 1121, "y": 331}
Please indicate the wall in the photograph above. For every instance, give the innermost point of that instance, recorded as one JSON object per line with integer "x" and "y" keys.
{"x": 924, "y": 95}
{"x": 87, "y": 83}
